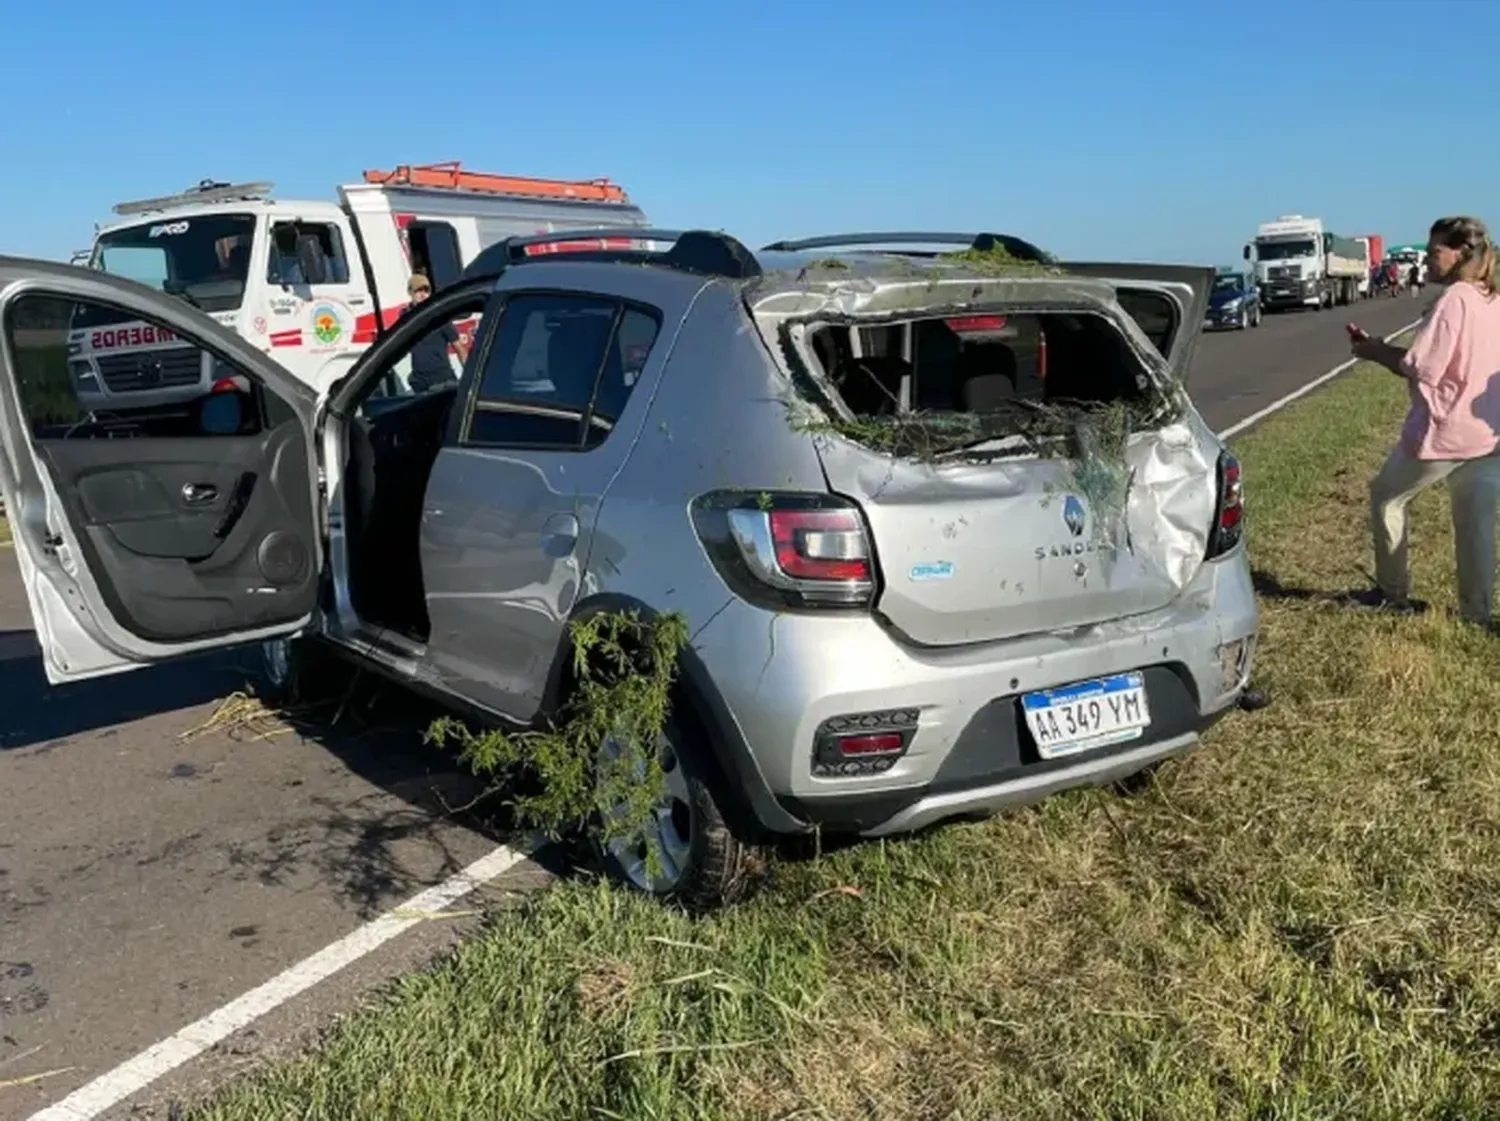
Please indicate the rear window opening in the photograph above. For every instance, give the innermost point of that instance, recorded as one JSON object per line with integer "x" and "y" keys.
{"x": 941, "y": 383}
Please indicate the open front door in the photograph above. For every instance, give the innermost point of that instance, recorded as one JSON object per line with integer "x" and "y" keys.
{"x": 157, "y": 473}
{"x": 1168, "y": 302}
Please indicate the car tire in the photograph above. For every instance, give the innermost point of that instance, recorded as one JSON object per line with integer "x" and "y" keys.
{"x": 298, "y": 670}
{"x": 703, "y": 865}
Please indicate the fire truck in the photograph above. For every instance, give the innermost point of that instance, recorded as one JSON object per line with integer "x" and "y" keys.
{"x": 312, "y": 282}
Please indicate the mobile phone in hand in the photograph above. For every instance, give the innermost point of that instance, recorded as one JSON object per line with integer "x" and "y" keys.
{"x": 1356, "y": 332}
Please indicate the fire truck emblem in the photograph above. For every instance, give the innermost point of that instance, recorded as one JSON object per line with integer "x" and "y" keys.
{"x": 326, "y": 326}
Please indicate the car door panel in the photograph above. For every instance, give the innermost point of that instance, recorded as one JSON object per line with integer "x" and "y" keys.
{"x": 140, "y": 538}
{"x": 508, "y": 521}
{"x": 182, "y": 569}
{"x": 499, "y": 582}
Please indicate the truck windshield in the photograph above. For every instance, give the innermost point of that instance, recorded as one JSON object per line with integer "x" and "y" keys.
{"x": 1281, "y": 250}
{"x": 204, "y": 260}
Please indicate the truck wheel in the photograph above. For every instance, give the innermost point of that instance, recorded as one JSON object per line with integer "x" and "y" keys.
{"x": 686, "y": 852}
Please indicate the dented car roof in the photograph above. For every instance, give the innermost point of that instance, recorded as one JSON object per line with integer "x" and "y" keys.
{"x": 1020, "y": 282}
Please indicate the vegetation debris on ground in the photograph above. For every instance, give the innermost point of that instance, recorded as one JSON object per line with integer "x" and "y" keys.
{"x": 1300, "y": 920}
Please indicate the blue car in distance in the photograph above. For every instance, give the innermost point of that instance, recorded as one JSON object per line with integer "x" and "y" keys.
{"x": 1234, "y": 302}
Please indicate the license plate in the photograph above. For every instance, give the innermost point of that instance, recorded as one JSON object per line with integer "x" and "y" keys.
{"x": 1087, "y": 715}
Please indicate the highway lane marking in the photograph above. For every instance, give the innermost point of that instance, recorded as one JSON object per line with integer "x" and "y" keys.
{"x": 135, "y": 1074}
{"x": 1296, "y": 394}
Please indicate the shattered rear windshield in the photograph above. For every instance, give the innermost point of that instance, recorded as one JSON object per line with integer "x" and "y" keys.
{"x": 941, "y": 384}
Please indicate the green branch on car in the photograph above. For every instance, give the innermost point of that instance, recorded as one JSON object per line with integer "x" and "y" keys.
{"x": 996, "y": 261}
{"x": 1092, "y": 437}
{"x": 596, "y": 763}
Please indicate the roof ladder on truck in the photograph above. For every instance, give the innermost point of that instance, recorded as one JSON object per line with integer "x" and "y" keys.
{"x": 451, "y": 176}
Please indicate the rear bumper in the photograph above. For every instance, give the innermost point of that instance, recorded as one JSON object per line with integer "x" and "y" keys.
{"x": 994, "y": 766}
{"x": 994, "y": 797}
{"x": 780, "y": 679}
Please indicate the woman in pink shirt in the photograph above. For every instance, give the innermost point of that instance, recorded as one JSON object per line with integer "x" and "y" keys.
{"x": 1452, "y": 432}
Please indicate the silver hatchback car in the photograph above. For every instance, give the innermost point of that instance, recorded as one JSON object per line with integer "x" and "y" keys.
{"x": 944, "y": 524}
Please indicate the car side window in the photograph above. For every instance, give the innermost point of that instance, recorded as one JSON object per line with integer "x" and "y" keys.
{"x": 90, "y": 370}
{"x": 310, "y": 253}
{"x": 431, "y": 362}
{"x": 559, "y": 371}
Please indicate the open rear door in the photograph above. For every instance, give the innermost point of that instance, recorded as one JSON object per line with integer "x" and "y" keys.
{"x": 157, "y": 474}
{"x": 1168, "y": 303}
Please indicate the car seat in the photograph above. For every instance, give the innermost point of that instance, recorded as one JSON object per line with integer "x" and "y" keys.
{"x": 986, "y": 376}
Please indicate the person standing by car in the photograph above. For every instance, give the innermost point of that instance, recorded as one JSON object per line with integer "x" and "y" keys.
{"x": 1452, "y": 431}
{"x": 1414, "y": 279}
{"x": 430, "y": 368}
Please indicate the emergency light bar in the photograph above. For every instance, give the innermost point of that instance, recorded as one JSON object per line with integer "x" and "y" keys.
{"x": 207, "y": 191}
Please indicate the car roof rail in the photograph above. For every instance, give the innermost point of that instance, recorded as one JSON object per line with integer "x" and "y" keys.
{"x": 982, "y": 242}
{"x": 705, "y": 252}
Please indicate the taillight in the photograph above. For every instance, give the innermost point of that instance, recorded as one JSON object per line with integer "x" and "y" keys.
{"x": 824, "y": 546}
{"x": 790, "y": 549}
{"x": 1229, "y": 516}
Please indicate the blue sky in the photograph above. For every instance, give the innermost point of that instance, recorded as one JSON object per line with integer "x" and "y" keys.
{"x": 1100, "y": 128}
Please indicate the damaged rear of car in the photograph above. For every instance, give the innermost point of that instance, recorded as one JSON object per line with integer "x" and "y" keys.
{"x": 1034, "y": 536}
{"x": 1016, "y": 444}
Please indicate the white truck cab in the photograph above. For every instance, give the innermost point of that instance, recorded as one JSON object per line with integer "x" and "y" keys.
{"x": 1299, "y": 262}
{"x": 312, "y": 282}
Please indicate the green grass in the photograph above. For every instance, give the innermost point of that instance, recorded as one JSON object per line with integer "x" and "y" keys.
{"x": 1301, "y": 920}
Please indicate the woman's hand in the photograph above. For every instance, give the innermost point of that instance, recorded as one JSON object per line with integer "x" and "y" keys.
{"x": 1381, "y": 353}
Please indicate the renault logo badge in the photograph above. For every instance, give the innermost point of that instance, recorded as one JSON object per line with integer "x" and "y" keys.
{"x": 1073, "y": 515}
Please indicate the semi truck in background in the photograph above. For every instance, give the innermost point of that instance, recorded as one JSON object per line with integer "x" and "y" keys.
{"x": 1300, "y": 263}
{"x": 312, "y": 282}
{"x": 1374, "y": 257}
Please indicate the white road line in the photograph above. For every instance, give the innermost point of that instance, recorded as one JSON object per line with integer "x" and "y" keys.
{"x": 1281, "y": 403}
{"x": 134, "y": 1075}
{"x": 113, "y": 1087}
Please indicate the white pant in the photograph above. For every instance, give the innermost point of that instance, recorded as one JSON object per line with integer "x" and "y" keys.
{"x": 1473, "y": 493}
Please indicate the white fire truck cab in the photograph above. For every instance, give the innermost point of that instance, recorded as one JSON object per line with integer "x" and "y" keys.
{"x": 313, "y": 282}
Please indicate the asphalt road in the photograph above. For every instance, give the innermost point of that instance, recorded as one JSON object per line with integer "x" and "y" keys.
{"x": 152, "y": 869}
{"x": 1238, "y": 373}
